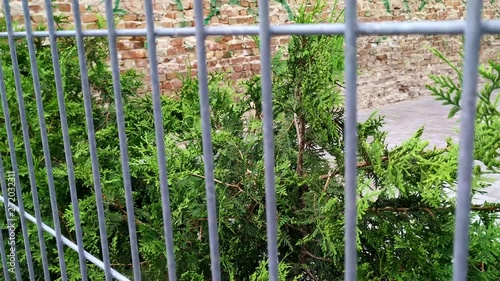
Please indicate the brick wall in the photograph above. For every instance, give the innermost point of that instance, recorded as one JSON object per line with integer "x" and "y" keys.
{"x": 391, "y": 68}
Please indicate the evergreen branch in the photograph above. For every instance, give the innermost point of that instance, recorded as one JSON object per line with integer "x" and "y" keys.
{"x": 237, "y": 186}
{"x": 365, "y": 163}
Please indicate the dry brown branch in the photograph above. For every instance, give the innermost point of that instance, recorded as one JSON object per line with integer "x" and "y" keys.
{"x": 123, "y": 210}
{"x": 61, "y": 217}
{"x": 315, "y": 257}
{"x": 308, "y": 271}
{"x": 329, "y": 177}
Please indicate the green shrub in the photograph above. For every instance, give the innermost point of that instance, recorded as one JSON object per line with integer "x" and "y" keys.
{"x": 405, "y": 219}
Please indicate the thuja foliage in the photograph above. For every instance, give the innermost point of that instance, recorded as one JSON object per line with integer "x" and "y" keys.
{"x": 405, "y": 217}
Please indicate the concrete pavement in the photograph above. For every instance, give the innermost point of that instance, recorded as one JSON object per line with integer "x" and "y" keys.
{"x": 402, "y": 120}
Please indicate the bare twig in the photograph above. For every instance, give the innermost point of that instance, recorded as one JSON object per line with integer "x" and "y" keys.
{"x": 61, "y": 217}
{"x": 340, "y": 85}
{"x": 428, "y": 211}
{"x": 329, "y": 177}
{"x": 308, "y": 271}
{"x": 300, "y": 130}
{"x": 316, "y": 257}
{"x": 123, "y": 210}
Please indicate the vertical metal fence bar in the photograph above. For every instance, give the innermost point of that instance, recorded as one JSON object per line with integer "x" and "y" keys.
{"x": 473, "y": 34}
{"x": 46, "y": 153}
{"x": 117, "y": 89}
{"x": 91, "y": 137}
{"x": 160, "y": 140}
{"x": 67, "y": 146}
{"x": 13, "y": 248}
{"x": 268, "y": 128}
{"x": 10, "y": 136}
{"x": 351, "y": 140}
{"x": 207, "y": 140}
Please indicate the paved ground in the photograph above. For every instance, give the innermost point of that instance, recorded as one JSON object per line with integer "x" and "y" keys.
{"x": 404, "y": 118}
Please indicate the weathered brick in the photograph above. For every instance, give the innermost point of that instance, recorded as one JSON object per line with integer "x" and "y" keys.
{"x": 167, "y": 24}
{"x": 64, "y": 7}
{"x": 37, "y": 18}
{"x": 36, "y": 8}
{"x": 167, "y": 85}
{"x": 237, "y": 68}
{"x": 141, "y": 63}
{"x": 134, "y": 54}
{"x": 176, "y": 83}
{"x": 130, "y": 24}
{"x": 171, "y": 15}
{"x": 219, "y": 54}
{"x": 89, "y": 17}
{"x": 255, "y": 66}
{"x": 237, "y": 61}
{"x": 176, "y": 42}
{"x": 171, "y": 75}
{"x": 129, "y": 17}
{"x": 235, "y": 75}
{"x": 235, "y": 46}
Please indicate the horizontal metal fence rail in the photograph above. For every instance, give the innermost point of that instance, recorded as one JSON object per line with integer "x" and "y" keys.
{"x": 473, "y": 28}
{"x": 441, "y": 27}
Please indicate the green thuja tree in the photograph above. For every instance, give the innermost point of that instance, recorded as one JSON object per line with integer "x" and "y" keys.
{"x": 447, "y": 88}
{"x": 405, "y": 215}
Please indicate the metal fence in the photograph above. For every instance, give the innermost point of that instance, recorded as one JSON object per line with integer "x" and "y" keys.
{"x": 473, "y": 28}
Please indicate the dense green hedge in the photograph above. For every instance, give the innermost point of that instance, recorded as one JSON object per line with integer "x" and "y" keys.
{"x": 405, "y": 219}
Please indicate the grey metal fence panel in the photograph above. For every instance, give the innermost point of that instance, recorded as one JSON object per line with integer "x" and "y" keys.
{"x": 207, "y": 142}
{"x": 473, "y": 28}
{"x": 67, "y": 147}
{"x": 27, "y": 246}
{"x": 160, "y": 140}
{"x": 46, "y": 154}
{"x": 122, "y": 139}
{"x": 91, "y": 137}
